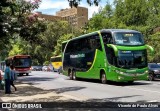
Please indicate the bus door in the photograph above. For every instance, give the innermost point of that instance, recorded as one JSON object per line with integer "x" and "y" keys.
{"x": 110, "y": 56}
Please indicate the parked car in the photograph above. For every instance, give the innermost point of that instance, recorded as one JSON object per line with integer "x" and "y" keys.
{"x": 33, "y": 68}
{"x": 37, "y": 68}
{"x": 154, "y": 71}
{"x": 46, "y": 68}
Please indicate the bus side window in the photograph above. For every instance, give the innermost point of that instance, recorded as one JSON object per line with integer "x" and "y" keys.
{"x": 85, "y": 45}
{"x": 107, "y": 38}
{"x": 70, "y": 47}
{"x": 77, "y": 46}
{"x": 95, "y": 42}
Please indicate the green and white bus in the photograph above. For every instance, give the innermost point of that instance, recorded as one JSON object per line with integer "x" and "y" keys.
{"x": 109, "y": 54}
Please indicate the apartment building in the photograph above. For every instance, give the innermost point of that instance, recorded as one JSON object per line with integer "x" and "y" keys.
{"x": 49, "y": 17}
{"x": 77, "y": 17}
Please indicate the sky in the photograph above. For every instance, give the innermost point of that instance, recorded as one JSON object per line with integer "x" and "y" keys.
{"x": 50, "y": 7}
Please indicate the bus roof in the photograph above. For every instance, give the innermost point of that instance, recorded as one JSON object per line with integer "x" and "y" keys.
{"x": 19, "y": 56}
{"x": 105, "y": 30}
{"x": 119, "y": 30}
{"x": 56, "y": 56}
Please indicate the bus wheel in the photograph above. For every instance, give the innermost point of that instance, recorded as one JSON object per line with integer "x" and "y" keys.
{"x": 27, "y": 74}
{"x": 74, "y": 75}
{"x": 151, "y": 77}
{"x": 70, "y": 75}
{"x": 103, "y": 78}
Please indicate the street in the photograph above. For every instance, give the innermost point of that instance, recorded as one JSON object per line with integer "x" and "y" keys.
{"x": 92, "y": 90}
{"x": 52, "y": 87}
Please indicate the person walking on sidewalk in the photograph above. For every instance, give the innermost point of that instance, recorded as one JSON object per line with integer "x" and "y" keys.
{"x": 13, "y": 77}
{"x": 7, "y": 77}
{"x": 1, "y": 81}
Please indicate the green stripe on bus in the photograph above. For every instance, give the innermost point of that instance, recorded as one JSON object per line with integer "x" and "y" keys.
{"x": 95, "y": 56}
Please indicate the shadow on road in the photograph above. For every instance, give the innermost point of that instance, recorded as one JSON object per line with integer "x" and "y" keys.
{"x": 114, "y": 99}
{"x": 105, "y": 104}
{"x": 35, "y": 79}
{"x": 128, "y": 84}
{"x": 67, "y": 89}
{"x": 27, "y": 90}
{"x": 114, "y": 83}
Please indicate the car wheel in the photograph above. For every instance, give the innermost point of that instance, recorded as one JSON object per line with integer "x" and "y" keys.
{"x": 70, "y": 75}
{"x": 27, "y": 74}
{"x": 151, "y": 77}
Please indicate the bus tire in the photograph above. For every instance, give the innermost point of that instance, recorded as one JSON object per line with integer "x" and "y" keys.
{"x": 27, "y": 74}
{"x": 103, "y": 78}
{"x": 74, "y": 75}
{"x": 70, "y": 75}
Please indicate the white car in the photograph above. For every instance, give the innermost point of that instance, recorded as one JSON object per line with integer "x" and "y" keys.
{"x": 46, "y": 68}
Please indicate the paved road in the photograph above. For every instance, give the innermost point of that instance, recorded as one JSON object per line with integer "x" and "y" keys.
{"x": 90, "y": 90}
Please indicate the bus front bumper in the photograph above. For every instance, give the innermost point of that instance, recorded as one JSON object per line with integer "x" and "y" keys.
{"x": 132, "y": 77}
{"x": 22, "y": 72}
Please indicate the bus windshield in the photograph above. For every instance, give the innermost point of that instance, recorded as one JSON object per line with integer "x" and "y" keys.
{"x": 56, "y": 59}
{"x": 22, "y": 62}
{"x": 128, "y": 38}
{"x": 132, "y": 59}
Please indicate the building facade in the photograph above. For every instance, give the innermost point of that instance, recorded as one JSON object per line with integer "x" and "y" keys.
{"x": 77, "y": 17}
{"x": 49, "y": 17}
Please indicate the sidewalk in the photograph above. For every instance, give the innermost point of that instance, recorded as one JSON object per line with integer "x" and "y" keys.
{"x": 29, "y": 93}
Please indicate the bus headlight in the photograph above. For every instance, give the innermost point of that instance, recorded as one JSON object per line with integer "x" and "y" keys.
{"x": 120, "y": 77}
{"x": 146, "y": 71}
{"x": 119, "y": 72}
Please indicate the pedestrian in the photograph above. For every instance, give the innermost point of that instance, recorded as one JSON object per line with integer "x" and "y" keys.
{"x": 13, "y": 77}
{"x": 7, "y": 77}
{"x": 1, "y": 82}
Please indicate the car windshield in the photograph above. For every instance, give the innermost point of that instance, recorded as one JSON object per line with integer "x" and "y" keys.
{"x": 128, "y": 39}
{"x": 154, "y": 66}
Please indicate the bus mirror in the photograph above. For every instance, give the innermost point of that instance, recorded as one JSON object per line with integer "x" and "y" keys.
{"x": 114, "y": 48}
{"x": 151, "y": 49}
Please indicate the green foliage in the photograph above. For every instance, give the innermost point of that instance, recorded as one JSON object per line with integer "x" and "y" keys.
{"x": 153, "y": 40}
{"x": 75, "y": 3}
{"x": 42, "y": 39}
{"x": 46, "y": 63}
{"x": 131, "y": 14}
{"x": 58, "y": 47}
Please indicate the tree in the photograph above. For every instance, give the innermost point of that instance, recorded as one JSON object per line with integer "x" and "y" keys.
{"x": 58, "y": 47}
{"x": 130, "y": 14}
{"x": 76, "y": 2}
{"x": 13, "y": 17}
